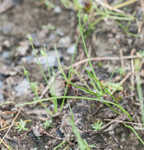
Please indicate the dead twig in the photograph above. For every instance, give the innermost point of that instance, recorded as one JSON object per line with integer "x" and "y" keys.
{"x": 3, "y": 142}
{"x": 52, "y": 136}
{"x": 114, "y": 123}
{"x": 125, "y": 78}
{"x": 102, "y": 59}
{"x": 106, "y": 5}
{"x": 13, "y": 121}
{"x": 92, "y": 59}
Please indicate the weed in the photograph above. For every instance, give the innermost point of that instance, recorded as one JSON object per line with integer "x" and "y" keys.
{"x": 47, "y": 124}
{"x": 97, "y": 125}
{"x": 21, "y": 125}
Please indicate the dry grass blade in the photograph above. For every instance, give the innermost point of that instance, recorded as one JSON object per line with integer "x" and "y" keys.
{"x": 125, "y": 4}
{"x": 105, "y": 5}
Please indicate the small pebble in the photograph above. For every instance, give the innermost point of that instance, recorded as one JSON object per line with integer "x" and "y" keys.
{"x": 65, "y": 41}
{"x": 71, "y": 49}
{"x": 22, "y": 88}
{"x": 57, "y": 10}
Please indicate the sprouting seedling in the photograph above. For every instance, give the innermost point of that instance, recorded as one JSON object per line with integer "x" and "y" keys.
{"x": 47, "y": 124}
{"x": 21, "y": 125}
{"x": 30, "y": 38}
{"x": 26, "y": 73}
{"x": 97, "y": 125}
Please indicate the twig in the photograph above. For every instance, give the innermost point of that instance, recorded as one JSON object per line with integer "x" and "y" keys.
{"x": 52, "y": 136}
{"x": 3, "y": 142}
{"x": 114, "y": 123}
{"x": 125, "y": 4}
{"x": 122, "y": 121}
{"x": 125, "y": 78}
{"x": 102, "y": 59}
{"x": 13, "y": 121}
{"x": 108, "y": 6}
{"x": 91, "y": 59}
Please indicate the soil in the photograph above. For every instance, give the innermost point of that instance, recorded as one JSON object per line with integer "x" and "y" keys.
{"x": 58, "y": 27}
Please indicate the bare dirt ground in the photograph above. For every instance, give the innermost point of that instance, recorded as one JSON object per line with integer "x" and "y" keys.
{"x": 58, "y": 26}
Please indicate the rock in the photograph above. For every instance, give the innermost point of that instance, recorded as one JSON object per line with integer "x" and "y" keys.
{"x": 48, "y": 60}
{"x": 22, "y": 49}
{"x": 57, "y": 86}
{"x": 36, "y": 131}
{"x": 23, "y": 88}
{"x": 57, "y": 10}
{"x": 64, "y": 42}
{"x": 71, "y": 49}
{"x": 7, "y": 28}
